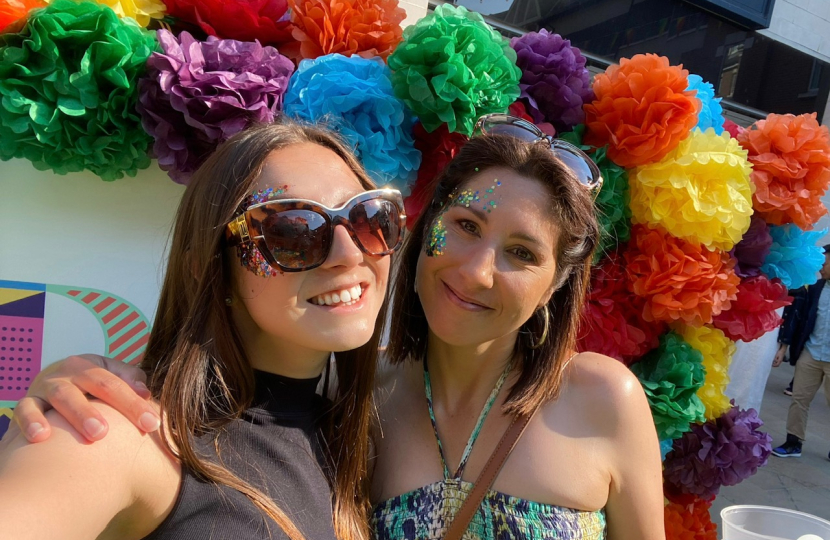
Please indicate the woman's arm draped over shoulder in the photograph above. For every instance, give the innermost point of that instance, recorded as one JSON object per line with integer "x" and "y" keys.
{"x": 67, "y": 488}
{"x": 64, "y": 386}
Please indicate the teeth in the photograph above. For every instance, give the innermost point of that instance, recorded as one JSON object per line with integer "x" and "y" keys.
{"x": 346, "y": 297}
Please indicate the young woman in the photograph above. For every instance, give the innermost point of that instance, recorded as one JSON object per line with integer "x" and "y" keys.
{"x": 278, "y": 258}
{"x": 486, "y": 304}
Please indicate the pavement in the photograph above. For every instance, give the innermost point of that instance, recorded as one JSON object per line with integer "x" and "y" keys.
{"x": 796, "y": 483}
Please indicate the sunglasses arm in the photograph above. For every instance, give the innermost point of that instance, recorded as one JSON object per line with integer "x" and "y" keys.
{"x": 237, "y": 231}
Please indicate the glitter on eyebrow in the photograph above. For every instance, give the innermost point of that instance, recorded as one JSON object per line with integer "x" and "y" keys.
{"x": 263, "y": 195}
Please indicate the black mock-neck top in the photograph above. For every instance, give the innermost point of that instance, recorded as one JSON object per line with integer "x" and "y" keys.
{"x": 276, "y": 446}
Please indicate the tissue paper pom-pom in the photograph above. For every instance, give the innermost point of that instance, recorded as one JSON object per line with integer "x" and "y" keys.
{"x": 671, "y": 376}
{"x": 612, "y": 202}
{"x": 265, "y": 21}
{"x": 752, "y": 250}
{"x": 612, "y": 318}
{"x": 794, "y": 257}
{"x": 364, "y": 27}
{"x": 711, "y": 112}
{"x": 753, "y": 313}
{"x": 12, "y": 11}
{"x": 665, "y": 448}
{"x": 791, "y": 158}
{"x": 555, "y": 82}
{"x": 642, "y": 110}
{"x": 717, "y": 351}
{"x": 198, "y": 94}
{"x": 68, "y": 89}
{"x": 732, "y": 128}
{"x": 452, "y": 67}
{"x": 437, "y": 150}
{"x": 700, "y": 191}
{"x": 357, "y": 94}
{"x": 140, "y": 10}
{"x": 689, "y": 521}
{"x": 680, "y": 280}
{"x": 721, "y": 452}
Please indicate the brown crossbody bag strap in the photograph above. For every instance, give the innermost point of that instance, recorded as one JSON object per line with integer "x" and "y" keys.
{"x": 488, "y": 475}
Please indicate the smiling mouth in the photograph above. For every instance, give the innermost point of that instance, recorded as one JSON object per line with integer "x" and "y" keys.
{"x": 340, "y": 297}
{"x": 462, "y": 301}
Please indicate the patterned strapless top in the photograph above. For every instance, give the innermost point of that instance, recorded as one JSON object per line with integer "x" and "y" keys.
{"x": 426, "y": 513}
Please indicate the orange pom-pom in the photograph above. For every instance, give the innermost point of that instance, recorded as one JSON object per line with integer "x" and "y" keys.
{"x": 12, "y": 11}
{"x": 689, "y": 521}
{"x": 364, "y": 27}
{"x": 642, "y": 110}
{"x": 791, "y": 168}
{"x": 680, "y": 280}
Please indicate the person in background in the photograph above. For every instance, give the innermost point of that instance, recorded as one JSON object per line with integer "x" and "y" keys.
{"x": 806, "y": 334}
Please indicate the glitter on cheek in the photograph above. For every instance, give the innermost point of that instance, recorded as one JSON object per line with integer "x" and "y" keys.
{"x": 437, "y": 240}
{"x": 252, "y": 259}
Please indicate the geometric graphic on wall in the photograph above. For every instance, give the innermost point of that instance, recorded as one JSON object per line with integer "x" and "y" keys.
{"x": 22, "y": 306}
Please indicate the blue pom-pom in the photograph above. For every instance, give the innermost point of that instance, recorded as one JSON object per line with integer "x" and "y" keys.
{"x": 355, "y": 94}
{"x": 794, "y": 256}
{"x": 665, "y": 448}
{"x": 711, "y": 112}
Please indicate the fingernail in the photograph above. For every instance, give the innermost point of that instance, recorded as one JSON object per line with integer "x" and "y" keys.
{"x": 93, "y": 427}
{"x": 34, "y": 429}
{"x": 149, "y": 422}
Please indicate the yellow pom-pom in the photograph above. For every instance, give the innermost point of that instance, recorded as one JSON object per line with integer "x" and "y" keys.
{"x": 139, "y": 10}
{"x": 717, "y": 350}
{"x": 701, "y": 191}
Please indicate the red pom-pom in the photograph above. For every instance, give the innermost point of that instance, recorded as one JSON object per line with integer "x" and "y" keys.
{"x": 732, "y": 128}
{"x": 689, "y": 520}
{"x": 612, "y": 318}
{"x": 680, "y": 280}
{"x": 518, "y": 109}
{"x": 437, "y": 150}
{"x": 13, "y": 13}
{"x": 753, "y": 313}
{"x": 242, "y": 20}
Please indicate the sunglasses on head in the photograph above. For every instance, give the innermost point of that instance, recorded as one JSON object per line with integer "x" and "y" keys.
{"x": 294, "y": 235}
{"x": 577, "y": 161}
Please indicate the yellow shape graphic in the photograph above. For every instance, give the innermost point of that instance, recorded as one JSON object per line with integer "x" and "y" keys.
{"x": 8, "y": 296}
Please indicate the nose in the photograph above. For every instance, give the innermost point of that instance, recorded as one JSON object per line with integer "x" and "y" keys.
{"x": 344, "y": 252}
{"x": 477, "y": 268}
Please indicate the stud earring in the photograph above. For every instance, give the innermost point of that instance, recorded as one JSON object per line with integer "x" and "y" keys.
{"x": 228, "y": 300}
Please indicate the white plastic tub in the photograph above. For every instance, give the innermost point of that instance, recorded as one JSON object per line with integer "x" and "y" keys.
{"x": 746, "y": 522}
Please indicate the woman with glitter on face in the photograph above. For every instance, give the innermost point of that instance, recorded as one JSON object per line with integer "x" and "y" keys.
{"x": 487, "y": 297}
{"x": 272, "y": 226}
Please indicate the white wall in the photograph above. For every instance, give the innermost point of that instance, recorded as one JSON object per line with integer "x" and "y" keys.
{"x": 803, "y": 24}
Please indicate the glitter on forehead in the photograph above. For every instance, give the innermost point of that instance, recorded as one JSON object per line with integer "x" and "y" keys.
{"x": 436, "y": 240}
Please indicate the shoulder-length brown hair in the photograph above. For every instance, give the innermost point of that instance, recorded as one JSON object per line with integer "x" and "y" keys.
{"x": 195, "y": 359}
{"x": 571, "y": 206}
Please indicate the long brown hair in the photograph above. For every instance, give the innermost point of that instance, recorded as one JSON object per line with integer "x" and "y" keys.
{"x": 541, "y": 368}
{"x": 195, "y": 358}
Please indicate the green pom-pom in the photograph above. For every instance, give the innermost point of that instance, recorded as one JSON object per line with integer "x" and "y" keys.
{"x": 68, "y": 89}
{"x": 671, "y": 376}
{"x": 612, "y": 203}
{"x": 452, "y": 67}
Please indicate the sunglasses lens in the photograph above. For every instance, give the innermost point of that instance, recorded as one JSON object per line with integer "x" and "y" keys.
{"x": 577, "y": 164}
{"x": 296, "y": 238}
{"x": 376, "y": 224}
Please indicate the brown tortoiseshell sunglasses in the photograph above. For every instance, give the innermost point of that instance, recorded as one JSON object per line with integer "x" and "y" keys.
{"x": 294, "y": 235}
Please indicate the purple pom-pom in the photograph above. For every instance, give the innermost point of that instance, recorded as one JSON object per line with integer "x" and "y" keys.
{"x": 753, "y": 248}
{"x": 554, "y": 83}
{"x": 197, "y": 94}
{"x": 721, "y": 452}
